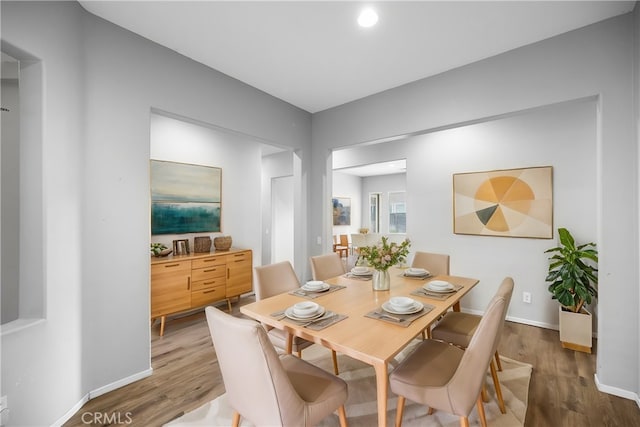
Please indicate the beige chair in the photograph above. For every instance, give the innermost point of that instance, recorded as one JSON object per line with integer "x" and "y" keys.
{"x": 358, "y": 241}
{"x": 267, "y": 388}
{"x": 444, "y": 376}
{"x": 275, "y": 279}
{"x": 435, "y": 263}
{"x": 458, "y": 329}
{"x": 326, "y": 266}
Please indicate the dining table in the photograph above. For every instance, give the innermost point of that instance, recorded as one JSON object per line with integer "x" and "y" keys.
{"x": 360, "y": 328}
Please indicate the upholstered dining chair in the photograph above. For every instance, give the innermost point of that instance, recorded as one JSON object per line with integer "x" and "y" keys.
{"x": 341, "y": 245}
{"x": 326, "y": 266}
{"x": 458, "y": 329}
{"x": 267, "y": 388}
{"x": 435, "y": 263}
{"x": 274, "y": 279}
{"x": 445, "y": 377}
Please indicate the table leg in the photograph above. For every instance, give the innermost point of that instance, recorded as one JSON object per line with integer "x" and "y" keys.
{"x": 382, "y": 382}
{"x": 456, "y": 306}
{"x": 289, "y": 343}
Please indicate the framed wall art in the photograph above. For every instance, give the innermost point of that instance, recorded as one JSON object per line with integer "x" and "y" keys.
{"x": 341, "y": 210}
{"x": 510, "y": 203}
{"x": 185, "y": 198}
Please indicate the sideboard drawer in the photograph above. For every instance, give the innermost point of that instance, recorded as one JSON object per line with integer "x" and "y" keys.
{"x": 207, "y": 296}
{"x": 209, "y": 272}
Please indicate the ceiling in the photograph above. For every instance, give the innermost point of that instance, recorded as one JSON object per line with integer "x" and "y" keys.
{"x": 313, "y": 54}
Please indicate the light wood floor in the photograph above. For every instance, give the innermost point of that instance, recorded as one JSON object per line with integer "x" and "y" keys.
{"x": 186, "y": 375}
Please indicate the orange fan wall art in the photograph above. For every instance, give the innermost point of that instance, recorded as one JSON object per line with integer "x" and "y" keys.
{"x": 510, "y": 203}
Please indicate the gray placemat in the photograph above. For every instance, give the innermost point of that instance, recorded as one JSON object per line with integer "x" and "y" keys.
{"x": 313, "y": 294}
{"x": 422, "y": 292}
{"x": 327, "y": 319}
{"x": 423, "y": 277}
{"x": 358, "y": 277}
{"x": 398, "y": 319}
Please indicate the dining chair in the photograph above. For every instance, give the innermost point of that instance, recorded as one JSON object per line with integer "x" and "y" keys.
{"x": 326, "y": 266}
{"x": 435, "y": 263}
{"x": 446, "y": 377}
{"x": 358, "y": 241}
{"x": 275, "y": 279}
{"x": 341, "y": 245}
{"x": 458, "y": 328}
{"x": 267, "y": 388}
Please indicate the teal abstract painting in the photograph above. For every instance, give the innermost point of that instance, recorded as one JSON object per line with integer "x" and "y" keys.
{"x": 185, "y": 198}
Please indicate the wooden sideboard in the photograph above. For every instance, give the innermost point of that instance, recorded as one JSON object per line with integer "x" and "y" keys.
{"x": 186, "y": 282}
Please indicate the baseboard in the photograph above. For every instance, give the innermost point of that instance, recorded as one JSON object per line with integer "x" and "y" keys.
{"x": 100, "y": 391}
{"x": 120, "y": 383}
{"x": 626, "y": 394}
{"x": 71, "y": 412}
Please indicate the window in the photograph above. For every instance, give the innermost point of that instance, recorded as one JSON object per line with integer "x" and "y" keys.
{"x": 374, "y": 212}
{"x": 397, "y": 212}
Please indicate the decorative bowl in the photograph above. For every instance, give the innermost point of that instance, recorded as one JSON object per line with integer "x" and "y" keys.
{"x": 222, "y": 243}
{"x": 314, "y": 284}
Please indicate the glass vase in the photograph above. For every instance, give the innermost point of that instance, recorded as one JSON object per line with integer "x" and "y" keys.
{"x": 381, "y": 280}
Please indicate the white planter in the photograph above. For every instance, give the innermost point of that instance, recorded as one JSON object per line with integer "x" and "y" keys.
{"x": 576, "y": 330}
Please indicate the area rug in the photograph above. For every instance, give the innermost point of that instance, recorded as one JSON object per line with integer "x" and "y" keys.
{"x": 361, "y": 405}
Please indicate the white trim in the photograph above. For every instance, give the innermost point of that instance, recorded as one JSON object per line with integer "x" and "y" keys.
{"x": 19, "y": 325}
{"x": 626, "y": 394}
{"x": 99, "y": 391}
{"x": 71, "y": 412}
{"x": 120, "y": 383}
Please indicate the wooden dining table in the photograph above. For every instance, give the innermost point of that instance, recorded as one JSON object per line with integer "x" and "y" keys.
{"x": 371, "y": 340}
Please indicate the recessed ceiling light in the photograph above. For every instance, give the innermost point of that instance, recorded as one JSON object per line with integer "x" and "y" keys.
{"x": 368, "y": 18}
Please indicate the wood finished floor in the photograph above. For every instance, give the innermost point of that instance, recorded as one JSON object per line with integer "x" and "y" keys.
{"x": 186, "y": 375}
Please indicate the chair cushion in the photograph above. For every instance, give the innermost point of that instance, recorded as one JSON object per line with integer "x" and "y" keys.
{"x": 322, "y": 391}
{"x": 456, "y": 328}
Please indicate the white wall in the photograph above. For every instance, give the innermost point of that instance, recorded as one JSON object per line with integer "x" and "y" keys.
{"x": 595, "y": 61}
{"x": 562, "y": 136}
{"x": 179, "y": 141}
{"x": 101, "y": 83}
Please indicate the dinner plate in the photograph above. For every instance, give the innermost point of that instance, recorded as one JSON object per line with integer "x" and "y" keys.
{"x": 439, "y": 286}
{"x": 289, "y": 313}
{"x": 417, "y": 272}
{"x": 417, "y": 306}
{"x": 362, "y": 273}
{"x": 323, "y": 288}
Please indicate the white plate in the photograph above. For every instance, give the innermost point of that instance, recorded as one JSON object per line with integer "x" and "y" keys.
{"x": 362, "y": 273}
{"x": 401, "y": 303}
{"x": 324, "y": 287}
{"x": 289, "y": 313}
{"x": 416, "y": 272}
{"x": 440, "y": 286}
{"x": 417, "y": 306}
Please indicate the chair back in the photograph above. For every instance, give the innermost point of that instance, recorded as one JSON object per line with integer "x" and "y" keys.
{"x": 325, "y": 266}
{"x": 435, "y": 263}
{"x": 344, "y": 240}
{"x": 255, "y": 381}
{"x": 274, "y": 279}
{"x": 464, "y": 386}
{"x": 505, "y": 290}
{"x": 358, "y": 241}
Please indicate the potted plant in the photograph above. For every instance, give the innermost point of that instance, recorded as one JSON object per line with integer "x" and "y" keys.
{"x": 573, "y": 280}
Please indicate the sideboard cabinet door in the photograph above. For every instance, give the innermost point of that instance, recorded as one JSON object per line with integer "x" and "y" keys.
{"x": 239, "y": 273}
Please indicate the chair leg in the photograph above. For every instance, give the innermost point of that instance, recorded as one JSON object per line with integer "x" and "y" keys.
{"x": 464, "y": 422}
{"x": 496, "y": 385}
{"x": 236, "y": 419}
{"x": 342, "y": 414}
{"x": 162, "y": 320}
{"x": 483, "y": 392}
{"x": 300, "y": 354}
{"x": 399, "y": 411}
{"x": 430, "y": 411}
{"x": 498, "y": 361}
{"x": 483, "y": 418}
{"x": 334, "y": 357}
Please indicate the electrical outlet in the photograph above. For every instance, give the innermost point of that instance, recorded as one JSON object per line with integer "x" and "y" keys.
{"x": 526, "y": 297}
